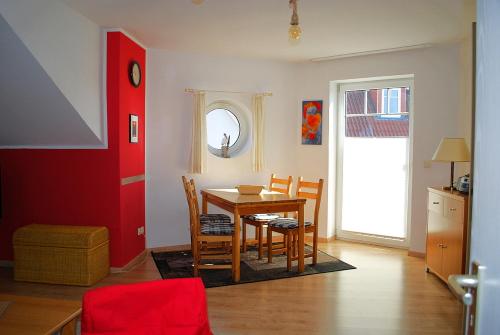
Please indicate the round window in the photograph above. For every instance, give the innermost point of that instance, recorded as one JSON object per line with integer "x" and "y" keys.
{"x": 225, "y": 129}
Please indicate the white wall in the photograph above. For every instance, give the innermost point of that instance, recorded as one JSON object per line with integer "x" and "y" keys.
{"x": 68, "y": 47}
{"x": 169, "y": 116}
{"x": 437, "y": 79}
{"x": 437, "y": 92}
{"x": 27, "y": 93}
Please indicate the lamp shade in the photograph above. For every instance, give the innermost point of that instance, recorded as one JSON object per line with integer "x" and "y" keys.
{"x": 452, "y": 150}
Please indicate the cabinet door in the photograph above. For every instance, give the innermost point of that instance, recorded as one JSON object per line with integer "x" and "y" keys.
{"x": 435, "y": 231}
{"x": 453, "y": 238}
{"x": 435, "y": 203}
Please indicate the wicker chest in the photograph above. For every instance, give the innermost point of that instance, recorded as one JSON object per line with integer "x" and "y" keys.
{"x": 56, "y": 254}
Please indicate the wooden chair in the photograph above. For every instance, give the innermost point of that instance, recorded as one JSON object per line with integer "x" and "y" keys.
{"x": 289, "y": 226}
{"x": 211, "y": 234}
{"x": 259, "y": 221}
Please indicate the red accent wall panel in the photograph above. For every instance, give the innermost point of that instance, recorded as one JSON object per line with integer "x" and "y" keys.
{"x": 71, "y": 187}
{"x": 132, "y": 212}
{"x": 83, "y": 187}
{"x": 129, "y": 100}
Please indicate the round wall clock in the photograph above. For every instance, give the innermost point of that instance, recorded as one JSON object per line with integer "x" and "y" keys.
{"x": 134, "y": 73}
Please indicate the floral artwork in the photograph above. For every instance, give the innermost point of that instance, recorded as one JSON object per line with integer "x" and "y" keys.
{"x": 133, "y": 128}
{"x": 312, "y": 112}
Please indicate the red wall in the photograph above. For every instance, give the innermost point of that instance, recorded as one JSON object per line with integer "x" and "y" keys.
{"x": 82, "y": 187}
{"x": 129, "y": 100}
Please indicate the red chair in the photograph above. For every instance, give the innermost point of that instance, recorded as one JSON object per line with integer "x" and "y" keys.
{"x": 172, "y": 306}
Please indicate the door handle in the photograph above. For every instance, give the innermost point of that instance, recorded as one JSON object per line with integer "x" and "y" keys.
{"x": 458, "y": 284}
{"x": 467, "y": 288}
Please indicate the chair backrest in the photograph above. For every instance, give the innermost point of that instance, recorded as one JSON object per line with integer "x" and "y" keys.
{"x": 280, "y": 185}
{"x": 313, "y": 191}
{"x": 192, "y": 200}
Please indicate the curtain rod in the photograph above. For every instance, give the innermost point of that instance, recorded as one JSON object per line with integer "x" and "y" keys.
{"x": 192, "y": 90}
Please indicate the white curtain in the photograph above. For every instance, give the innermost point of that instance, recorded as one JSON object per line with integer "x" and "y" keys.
{"x": 257, "y": 133}
{"x": 199, "y": 149}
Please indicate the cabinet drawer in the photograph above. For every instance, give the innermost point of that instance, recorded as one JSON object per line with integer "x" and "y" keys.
{"x": 435, "y": 203}
{"x": 453, "y": 209}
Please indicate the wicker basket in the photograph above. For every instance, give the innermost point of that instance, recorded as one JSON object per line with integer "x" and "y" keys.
{"x": 56, "y": 254}
{"x": 249, "y": 189}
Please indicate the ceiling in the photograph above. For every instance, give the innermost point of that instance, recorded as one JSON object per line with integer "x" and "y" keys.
{"x": 258, "y": 28}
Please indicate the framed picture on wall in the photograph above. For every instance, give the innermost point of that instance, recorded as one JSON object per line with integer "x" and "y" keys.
{"x": 312, "y": 121}
{"x": 134, "y": 128}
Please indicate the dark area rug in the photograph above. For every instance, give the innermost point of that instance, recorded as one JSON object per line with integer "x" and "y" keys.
{"x": 178, "y": 264}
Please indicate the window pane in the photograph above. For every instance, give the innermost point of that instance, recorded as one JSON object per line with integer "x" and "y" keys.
{"x": 221, "y": 123}
{"x": 377, "y": 126}
{"x": 380, "y": 104}
{"x": 355, "y": 102}
{"x": 394, "y": 102}
{"x": 385, "y": 101}
{"x": 373, "y": 101}
{"x": 405, "y": 106}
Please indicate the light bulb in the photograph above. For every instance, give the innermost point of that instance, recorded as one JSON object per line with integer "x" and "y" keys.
{"x": 294, "y": 32}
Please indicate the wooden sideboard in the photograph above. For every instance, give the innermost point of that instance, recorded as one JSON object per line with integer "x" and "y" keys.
{"x": 447, "y": 225}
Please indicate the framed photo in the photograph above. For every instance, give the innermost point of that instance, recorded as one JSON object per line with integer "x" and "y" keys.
{"x": 134, "y": 128}
{"x": 312, "y": 121}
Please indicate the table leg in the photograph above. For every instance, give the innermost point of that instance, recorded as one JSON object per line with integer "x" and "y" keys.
{"x": 69, "y": 328}
{"x": 204, "y": 204}
{"x": 236, "y": 247}
{"x": 301, "y": 237}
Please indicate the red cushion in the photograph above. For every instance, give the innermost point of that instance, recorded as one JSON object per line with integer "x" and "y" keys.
{"x": 173, "y": 306}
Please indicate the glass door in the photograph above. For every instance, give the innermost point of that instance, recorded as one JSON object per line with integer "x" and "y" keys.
{"x": 373, "y": 155}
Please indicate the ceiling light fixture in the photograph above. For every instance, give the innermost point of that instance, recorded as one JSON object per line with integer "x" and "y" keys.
{"x": 294, "y": 31}
{"x": 197, "y": 2}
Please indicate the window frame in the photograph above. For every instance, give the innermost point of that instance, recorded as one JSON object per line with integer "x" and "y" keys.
{"x": 384, "y": 104}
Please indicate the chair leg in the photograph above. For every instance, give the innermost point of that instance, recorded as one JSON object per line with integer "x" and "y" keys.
{"x": 260, "y": 238}
{"x": 196, "y": 261}
{"x": 269, "y": 245}
{"x": 284, "y": 241}
{"x": 294, "y": 244}
{"x": 244, "y": 236}
{"x": 315, "y": 248}
{"x": 289, "y": 243}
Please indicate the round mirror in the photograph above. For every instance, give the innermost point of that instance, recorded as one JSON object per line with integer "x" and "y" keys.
{"x": 223, "y": 128}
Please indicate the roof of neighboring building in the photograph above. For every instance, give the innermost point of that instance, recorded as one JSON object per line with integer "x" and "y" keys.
{"x": 372, "y": 125}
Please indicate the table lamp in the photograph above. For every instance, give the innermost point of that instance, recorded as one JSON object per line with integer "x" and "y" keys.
{"x": 451, "y": 150}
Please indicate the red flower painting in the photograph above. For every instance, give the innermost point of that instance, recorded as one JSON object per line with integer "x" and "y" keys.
{"x": 312, "y": 114}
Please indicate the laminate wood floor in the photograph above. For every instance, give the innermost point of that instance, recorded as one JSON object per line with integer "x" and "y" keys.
{"x": 389, "y": 293}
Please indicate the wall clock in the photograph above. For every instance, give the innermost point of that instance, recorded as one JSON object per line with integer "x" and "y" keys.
{"x": 134, "y": 73}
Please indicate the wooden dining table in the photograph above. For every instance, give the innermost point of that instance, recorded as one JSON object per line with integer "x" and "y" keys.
{"x": 25, "y": 315}
{"x": 265, "y": 202}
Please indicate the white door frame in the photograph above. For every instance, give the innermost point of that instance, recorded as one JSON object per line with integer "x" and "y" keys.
{"x": 373, "y": 83}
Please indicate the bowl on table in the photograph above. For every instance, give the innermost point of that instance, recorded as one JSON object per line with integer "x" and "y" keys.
{"x": 249, "y": 189}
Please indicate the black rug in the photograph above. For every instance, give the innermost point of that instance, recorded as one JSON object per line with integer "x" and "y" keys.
{"x": 178, "y": 264}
